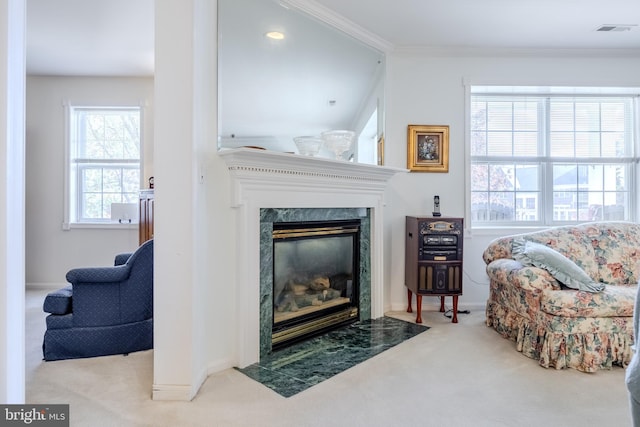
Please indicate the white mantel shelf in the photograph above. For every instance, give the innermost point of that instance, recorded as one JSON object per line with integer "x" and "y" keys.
{"x": 271, "y": 168}
{"x": 269, "y": 179}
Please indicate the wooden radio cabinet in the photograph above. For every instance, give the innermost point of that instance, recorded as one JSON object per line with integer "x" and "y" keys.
{"x": 145, "y": 226}
{"x": 433, "y": 260}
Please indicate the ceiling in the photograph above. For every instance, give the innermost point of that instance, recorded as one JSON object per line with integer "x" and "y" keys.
{"x": 115, "y": 37}
{"x": 539, "y": 24}
{"x": 90, "y": 37}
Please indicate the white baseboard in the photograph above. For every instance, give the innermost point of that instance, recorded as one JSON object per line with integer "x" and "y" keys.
{"x": 219, "y": 366}
{"x": 45, "y": 286}
{"x": 172, "y": 392}
{"x": 432, "y": 304}
{"x": 186, "y": 393}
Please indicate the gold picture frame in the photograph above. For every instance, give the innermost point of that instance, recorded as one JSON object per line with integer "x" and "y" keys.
{"x": 428, "y": 148}
{"x": 380, "y": 148}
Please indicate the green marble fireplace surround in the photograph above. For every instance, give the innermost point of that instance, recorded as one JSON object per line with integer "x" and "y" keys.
{"x": 269, "y": 216}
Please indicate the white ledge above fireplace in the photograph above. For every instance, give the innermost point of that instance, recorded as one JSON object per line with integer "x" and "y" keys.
{"x": 266, "y": 179}
{"x": 269, "y": 168}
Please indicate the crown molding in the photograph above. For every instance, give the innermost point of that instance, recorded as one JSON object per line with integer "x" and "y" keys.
{"x": 329, "y": 17}
{"x": 457, "y": 51}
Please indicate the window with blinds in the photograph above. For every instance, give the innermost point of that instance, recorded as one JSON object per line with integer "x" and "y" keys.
{"x": 551, "y": 159}
{"x": 103, "y": 161}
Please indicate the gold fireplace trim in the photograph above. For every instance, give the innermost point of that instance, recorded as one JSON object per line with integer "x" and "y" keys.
{"x": 314, "y": 231}
{"x": 305, "y": 328}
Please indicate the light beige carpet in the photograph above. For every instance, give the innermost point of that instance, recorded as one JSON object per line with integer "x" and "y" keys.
{"x": 461, "y": 374}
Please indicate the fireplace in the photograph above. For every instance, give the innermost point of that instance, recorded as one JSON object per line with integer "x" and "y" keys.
{"x": 315, "y": 278}
{"x": 288, "y": 236}
{"x": 269, "y": 187}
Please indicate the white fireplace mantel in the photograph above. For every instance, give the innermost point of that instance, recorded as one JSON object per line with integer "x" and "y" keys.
{"x": 267, "y": 179}
{"x": 252, "y": 168}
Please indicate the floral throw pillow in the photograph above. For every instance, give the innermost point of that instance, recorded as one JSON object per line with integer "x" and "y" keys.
{"x": 562, "y": 268}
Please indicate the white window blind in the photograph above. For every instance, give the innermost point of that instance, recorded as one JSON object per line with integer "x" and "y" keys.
{"x": 551, "y": 159}
{"x": 103, "y": 162}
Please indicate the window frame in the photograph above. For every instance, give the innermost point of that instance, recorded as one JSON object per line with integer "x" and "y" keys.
{"x": 546, "y": 161}
{"x": 72, "y": 178}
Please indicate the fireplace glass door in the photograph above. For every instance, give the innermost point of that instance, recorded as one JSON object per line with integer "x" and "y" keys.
{"x": 315, "y": 277}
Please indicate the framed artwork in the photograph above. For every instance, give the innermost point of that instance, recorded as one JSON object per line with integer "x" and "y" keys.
{"x": 428, "y": 148}
{"x": 380, "y": 148}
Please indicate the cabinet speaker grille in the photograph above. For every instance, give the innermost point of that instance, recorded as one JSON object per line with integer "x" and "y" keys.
{"x": 439, "y": 278}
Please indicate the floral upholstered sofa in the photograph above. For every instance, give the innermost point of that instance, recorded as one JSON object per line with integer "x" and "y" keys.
{"x": 566, "y": 295}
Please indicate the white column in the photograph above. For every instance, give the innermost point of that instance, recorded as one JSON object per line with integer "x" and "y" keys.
{"x": 184, "y": 104}
{"x": 12, "y": 200}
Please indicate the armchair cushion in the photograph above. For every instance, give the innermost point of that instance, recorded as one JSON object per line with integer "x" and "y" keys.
{"x": 562, "y": 268}
{"x": 58, "y": 302}
{"x": 613, "y": 301}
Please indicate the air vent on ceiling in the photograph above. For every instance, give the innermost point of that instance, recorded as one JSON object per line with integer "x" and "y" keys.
{"x": 617, "y": 27}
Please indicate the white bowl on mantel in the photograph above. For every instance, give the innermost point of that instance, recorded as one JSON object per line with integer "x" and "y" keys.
{"x": 308, "y": 145}
{"x": 339, "y": 141}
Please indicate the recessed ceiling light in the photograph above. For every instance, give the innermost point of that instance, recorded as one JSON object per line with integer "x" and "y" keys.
{"x": 275, "y": 35}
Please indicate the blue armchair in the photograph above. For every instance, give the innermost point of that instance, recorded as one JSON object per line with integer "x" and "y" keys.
{"x": 105, "y": 310}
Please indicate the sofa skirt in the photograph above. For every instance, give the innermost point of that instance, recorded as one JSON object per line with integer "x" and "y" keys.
{"x": 80, "y": 342}
{"x": 583, "y": 343}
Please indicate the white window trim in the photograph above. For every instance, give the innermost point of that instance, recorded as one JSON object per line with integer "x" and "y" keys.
{"x": 634, "y": 202}
{"x": 67, "y": 223}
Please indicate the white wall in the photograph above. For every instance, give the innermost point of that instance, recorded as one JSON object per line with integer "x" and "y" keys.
{"x": 427, "y": 89}
{"x": 50, "y": 251}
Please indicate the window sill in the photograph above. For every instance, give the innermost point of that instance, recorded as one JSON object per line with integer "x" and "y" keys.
{"x": 100, "y": 225}
{"x": 503, "y": 231}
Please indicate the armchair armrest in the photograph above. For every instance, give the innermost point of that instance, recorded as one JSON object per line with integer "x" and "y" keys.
{"x": 530, "y": 278}
{"x": 58, "y": 302}
{"x": 122, "y": 258}
{"x": 98, "y": 274}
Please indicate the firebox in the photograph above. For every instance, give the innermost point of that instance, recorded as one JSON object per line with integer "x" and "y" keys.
{"x": 315, "y": 278}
